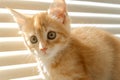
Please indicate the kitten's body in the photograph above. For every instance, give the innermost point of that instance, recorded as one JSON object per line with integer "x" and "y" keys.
{"x": 78, "y": 54}
{"x": 103, "y": 59}
{"x": 92, "y": 54}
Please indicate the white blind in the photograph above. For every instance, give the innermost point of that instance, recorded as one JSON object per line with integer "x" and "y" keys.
{"x": 16, "y": 63}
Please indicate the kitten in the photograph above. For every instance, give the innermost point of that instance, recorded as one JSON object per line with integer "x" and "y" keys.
{"x": 79, "y": 54}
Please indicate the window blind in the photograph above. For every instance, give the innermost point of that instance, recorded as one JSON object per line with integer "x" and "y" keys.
{"x": 16, "y": 62}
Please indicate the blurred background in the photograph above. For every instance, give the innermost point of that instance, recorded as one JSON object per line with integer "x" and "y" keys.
{"x": 16, "y": 63}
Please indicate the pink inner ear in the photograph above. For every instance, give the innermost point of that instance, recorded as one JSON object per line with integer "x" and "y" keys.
{"x": 58, "y": 10}
{"x": 59, "y": 13}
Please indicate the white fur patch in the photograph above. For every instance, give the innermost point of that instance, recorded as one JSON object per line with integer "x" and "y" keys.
{"x": 50, "y": 54}
{"x": 54, "y": 51}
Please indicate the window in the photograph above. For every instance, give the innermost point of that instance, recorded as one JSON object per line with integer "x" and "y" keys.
{"x": 16, "y": 63}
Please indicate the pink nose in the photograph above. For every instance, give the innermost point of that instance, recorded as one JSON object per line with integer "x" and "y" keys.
{"x": 44, "y": 50}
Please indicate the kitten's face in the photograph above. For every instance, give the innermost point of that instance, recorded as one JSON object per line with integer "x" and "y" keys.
{"x": 44, "y": 34}
{"x": 48, "y": 32}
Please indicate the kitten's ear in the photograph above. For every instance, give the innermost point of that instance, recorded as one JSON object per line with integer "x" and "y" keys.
{"x": 58, "y": 10}
{"x": 19, "y": 18}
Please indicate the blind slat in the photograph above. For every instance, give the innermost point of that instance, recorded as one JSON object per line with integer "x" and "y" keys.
{"x": 11, "y": 44}
{"x": 16, "y": 57}
{"x": 106, "y": 1}
{"x": 16, "y": 71}
{"x": 79, "y": 17}
{"x": 82, "y": 6}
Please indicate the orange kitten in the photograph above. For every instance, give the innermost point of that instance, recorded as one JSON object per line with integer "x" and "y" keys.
{"x": 78, "y": 54}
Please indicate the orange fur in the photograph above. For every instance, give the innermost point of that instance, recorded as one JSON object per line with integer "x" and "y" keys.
{"x": 78, "y": 54}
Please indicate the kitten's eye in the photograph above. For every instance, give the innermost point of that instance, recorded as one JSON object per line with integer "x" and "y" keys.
{"x": 51, "y": 35}
{"x": 33, "y": 39}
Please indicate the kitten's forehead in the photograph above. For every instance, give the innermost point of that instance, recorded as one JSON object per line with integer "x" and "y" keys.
{"x": 40, "y": 20}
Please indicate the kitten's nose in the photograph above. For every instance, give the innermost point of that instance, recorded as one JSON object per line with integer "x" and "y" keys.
{"x": 42, "y": 48}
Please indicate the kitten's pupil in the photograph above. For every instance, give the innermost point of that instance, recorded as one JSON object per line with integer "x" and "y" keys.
{"x": 33, "y": 39}
{"x": 51, "y": 35}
